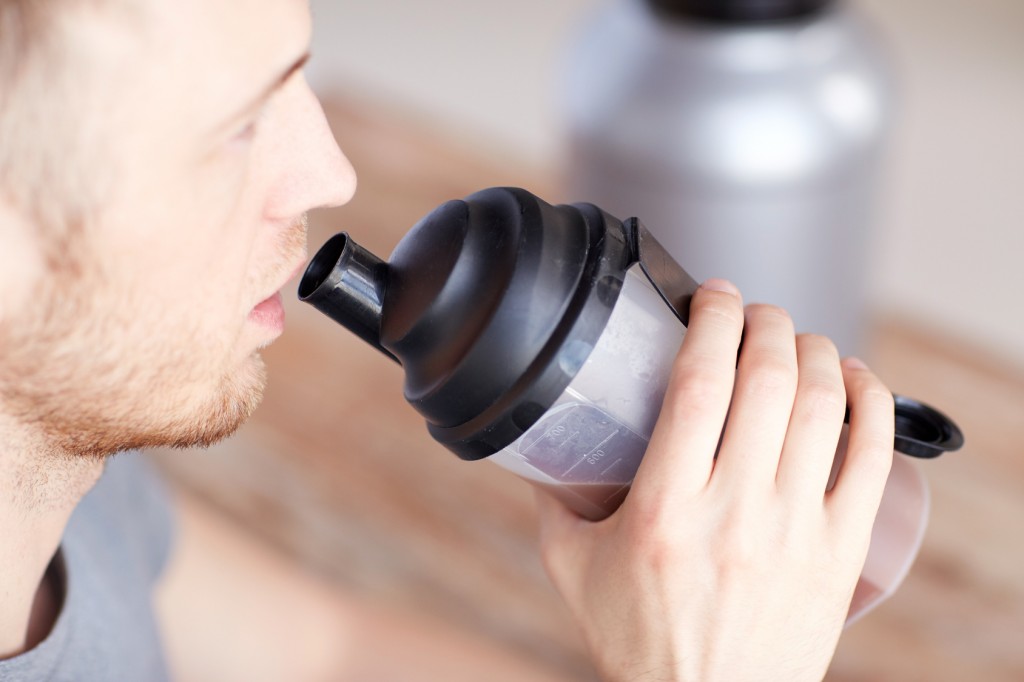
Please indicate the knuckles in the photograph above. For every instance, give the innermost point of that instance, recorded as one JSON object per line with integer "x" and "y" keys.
{"x": 821, "y": 388}
{"x": 769, "y": 376}
{"x": 818, "y": 345}
{"x": 876, "y": 397}
{"x": 656, "y": 535}
{"x": 696, "y": 388}
{"x": 717, "y": 308}
{"x": 822, "y": 399}
{"x": 663, "y": 535}
{"x": 767, "y": 361}
{"x": 769, "y": 313}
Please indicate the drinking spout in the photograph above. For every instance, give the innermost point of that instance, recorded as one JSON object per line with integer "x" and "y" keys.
{"x": 347, "y": 283}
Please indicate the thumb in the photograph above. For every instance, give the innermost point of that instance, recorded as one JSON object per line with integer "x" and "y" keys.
{"x": 561, "y": 533}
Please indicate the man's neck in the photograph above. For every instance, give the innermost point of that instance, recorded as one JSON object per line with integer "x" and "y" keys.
{"x": 40, "y": 488}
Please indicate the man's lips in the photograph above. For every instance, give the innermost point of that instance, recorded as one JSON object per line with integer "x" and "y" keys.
{"x": 270, "y": 311}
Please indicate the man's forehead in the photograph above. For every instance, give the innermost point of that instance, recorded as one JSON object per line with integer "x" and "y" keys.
{"x": 247, "y": 32}
{"x": 217, "y": 51}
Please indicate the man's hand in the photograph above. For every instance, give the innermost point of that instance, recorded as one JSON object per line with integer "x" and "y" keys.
{"x": 739, "y": 567}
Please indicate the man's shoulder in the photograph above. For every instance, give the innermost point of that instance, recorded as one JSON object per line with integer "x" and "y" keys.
{"x": 113, "y": 550}
{"x": 128, "y": 510}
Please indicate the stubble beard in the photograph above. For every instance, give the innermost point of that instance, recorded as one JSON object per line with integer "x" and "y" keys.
{"x": 64, "y": 376}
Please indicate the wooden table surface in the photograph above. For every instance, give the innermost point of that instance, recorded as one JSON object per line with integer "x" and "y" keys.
{"x": 338, "y": 471}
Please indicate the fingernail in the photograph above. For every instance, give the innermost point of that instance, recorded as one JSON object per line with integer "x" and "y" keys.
{"x": 855, "y": 363}
{"x": 720, "y": 285}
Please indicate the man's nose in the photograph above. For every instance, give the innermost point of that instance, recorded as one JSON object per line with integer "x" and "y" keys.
{"x": 311, "y": 170}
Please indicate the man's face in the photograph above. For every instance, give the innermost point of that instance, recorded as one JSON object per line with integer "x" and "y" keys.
{"x": 217, "y": 148}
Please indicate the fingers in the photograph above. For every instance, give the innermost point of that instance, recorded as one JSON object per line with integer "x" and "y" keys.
{"x": 681, "y": 453}
{"x": 861, "y": 480}
{"x": 816, "y": 423}
{"x": 762, "y": 400}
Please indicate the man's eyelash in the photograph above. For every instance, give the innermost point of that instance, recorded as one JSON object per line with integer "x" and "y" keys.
{"x": 248, "y": 131}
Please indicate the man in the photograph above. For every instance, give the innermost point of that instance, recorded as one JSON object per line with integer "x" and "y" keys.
{"x": 157, "y": 159}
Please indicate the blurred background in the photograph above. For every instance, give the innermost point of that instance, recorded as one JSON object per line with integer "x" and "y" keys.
{"x": 434, "y": 100}
{"x": 949, "y": 230}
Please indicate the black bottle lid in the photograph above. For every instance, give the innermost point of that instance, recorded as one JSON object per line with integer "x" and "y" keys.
{"x": 486, "y": 303}
{"x": 738, "y": 11}
{"x": 485, "y": 297}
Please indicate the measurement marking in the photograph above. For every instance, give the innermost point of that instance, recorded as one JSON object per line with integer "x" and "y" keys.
{"x": 602, "y": 443}
{"x": 611, "y": 466}
{"x": 580, "y": 461}
{"x": 588, "y": 453}
{"x": 605, "y": 441}
{"x": 569, "y": 440}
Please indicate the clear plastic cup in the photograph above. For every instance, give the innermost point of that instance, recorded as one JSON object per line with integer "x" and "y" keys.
{"x": 587, "y": 447}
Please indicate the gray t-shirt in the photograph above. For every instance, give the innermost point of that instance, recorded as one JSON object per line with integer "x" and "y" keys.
{"x": 113, "y": 550}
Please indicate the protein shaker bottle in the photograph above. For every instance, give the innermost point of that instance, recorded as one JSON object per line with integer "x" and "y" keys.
{"x": 749, "y": 131}
{"x": 541, "y": 337}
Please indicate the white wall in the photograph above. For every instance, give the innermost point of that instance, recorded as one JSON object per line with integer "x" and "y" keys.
{"x": 950, "y": 245}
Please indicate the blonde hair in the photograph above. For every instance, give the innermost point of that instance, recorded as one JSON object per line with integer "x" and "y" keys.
{"x": 43, "y": 136}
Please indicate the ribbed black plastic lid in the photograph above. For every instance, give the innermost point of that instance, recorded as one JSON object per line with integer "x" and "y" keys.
{"x": 484, "y": 299}
{"x": 738, "y": 11}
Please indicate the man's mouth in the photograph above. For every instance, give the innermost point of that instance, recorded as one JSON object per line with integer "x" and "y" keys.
{"x": 269, "y": 313}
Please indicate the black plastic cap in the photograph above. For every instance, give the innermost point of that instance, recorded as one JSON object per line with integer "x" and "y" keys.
{"x": 484, "y": 295}
{"x": 739, "y": 11}
{"x": 922, "y": 431}
{"x": 491, "y": 305}
{"x": 476, "y": 289}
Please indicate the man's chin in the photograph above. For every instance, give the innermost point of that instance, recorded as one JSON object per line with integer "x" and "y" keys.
{"x": 197, "y": 426}
{"x": 238, "y": 399}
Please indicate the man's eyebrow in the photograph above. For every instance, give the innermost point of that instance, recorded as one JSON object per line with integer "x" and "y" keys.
{"x": 270, "y": 88}
{"x": 296, "y": 66}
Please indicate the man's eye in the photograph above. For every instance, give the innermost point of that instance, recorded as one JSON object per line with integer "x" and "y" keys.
{"x": 246, "y": 134}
